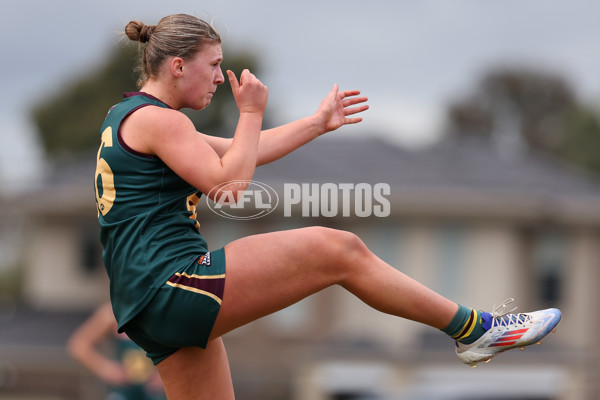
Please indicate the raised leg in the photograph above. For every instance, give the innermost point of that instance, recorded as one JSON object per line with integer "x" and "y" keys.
{"x": 266, "y": 273}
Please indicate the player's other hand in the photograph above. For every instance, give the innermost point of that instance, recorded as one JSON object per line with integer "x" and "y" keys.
{"x": 335, "y": 110}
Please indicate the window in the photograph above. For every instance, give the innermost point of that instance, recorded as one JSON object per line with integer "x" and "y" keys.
{"x": 90, "y": 248}
{"x": 548, "y": 261}
{"x": 450, "y": 247}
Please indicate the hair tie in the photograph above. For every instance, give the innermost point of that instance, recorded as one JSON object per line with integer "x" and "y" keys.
{"x": 145, "y": 33}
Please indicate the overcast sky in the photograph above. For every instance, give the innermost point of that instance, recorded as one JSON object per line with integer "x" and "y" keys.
{"x": 409, "y": 57}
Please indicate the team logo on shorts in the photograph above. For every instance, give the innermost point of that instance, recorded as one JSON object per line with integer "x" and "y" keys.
{"x": 204, "y": 259}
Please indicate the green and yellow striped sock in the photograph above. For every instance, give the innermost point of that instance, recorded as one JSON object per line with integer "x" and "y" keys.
{"x": 466, "y": 326}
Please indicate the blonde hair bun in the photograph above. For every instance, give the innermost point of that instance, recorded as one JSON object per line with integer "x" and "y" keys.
{"x": 138, "y": 31}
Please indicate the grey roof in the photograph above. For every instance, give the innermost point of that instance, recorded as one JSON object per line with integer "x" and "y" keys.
{"x": 461, "y": 176}
{"x": 467, "y": 163}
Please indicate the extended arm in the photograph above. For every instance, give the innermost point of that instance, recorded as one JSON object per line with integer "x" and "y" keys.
{"x": 335, "y": 110}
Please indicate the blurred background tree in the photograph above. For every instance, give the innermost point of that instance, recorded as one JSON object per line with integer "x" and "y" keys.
{"x": 69, "y": 121}
{"x": 539, "y": 107}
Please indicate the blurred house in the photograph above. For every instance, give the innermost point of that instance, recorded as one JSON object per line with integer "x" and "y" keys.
{"x": 468, "y": 219}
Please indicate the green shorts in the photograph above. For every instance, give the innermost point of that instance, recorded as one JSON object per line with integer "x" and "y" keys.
{"x": 184, "y": 310}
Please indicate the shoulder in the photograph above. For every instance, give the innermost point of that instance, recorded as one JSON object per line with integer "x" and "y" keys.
{"x": 154, "y": 118}
{"x": 151, "y": 125}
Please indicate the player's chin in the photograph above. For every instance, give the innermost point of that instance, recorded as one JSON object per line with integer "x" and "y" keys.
{"x": 203, "y": 103}
{"x": 201, "y": 106}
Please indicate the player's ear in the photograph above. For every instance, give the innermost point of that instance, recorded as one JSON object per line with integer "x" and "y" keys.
{"x": 176, "y": 65}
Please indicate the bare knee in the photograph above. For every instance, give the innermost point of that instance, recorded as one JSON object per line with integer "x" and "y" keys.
{"x": 344, "y": 250}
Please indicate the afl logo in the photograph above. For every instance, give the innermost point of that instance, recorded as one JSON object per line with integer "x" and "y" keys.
{"x": 255, "y": 201}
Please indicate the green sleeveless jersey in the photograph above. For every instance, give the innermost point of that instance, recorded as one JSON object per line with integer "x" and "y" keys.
{"x": 147, "y": 215}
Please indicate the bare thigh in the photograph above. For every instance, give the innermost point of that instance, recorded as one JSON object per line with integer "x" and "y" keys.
{"x": 268, "y": 272}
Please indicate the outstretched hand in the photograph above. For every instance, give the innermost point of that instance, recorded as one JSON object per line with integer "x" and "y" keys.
{"x": 335, "y": 110}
